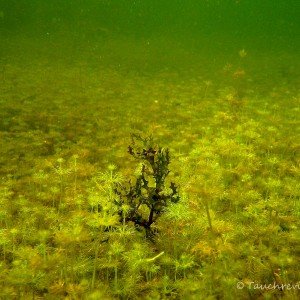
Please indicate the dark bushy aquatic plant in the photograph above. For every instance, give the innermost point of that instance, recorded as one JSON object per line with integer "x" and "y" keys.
{"x": 145, "y": 200}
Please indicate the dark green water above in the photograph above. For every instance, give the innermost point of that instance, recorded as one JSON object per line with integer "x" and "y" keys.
{"x": 264, "y": 22}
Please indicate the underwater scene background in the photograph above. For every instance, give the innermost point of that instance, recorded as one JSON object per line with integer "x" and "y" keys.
{"x": 149, "y": 149}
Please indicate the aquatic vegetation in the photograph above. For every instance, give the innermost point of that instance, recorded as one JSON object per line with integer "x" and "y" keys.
{"x": 149, "y": 190}
{"x": 82, "y": 219}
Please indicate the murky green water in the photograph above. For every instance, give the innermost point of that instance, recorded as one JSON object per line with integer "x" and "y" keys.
{"x": 215, "y": 82}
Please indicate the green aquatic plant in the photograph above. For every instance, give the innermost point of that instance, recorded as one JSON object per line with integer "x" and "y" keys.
{"x": 184, "y": 263}
{"x": 67, "y": 232}
{"x": 61, "y": 172}
{"x": 143, "y": 202}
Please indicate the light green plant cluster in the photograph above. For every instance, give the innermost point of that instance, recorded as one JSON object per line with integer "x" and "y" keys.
{"x": 237, "y": 221}
{"x": 234, "y": 156}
